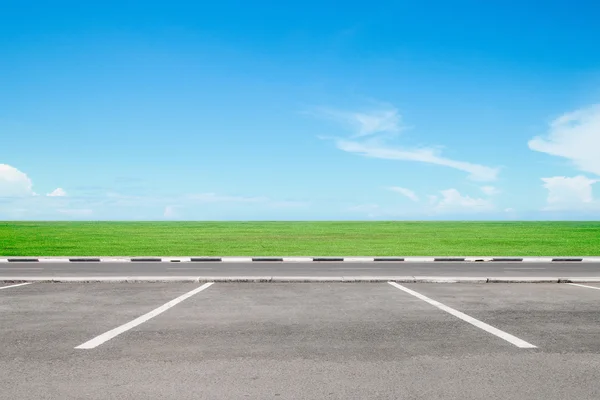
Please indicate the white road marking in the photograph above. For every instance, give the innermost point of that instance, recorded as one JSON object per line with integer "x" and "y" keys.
{"x": 574, "y": 284}
{"x": 18, "y": 284}
{"x": 236, "y": 259}
{"x": 475, "y": 322}
{"x": 98, "y": 340}
{"x": 521, "y": 268}
{"x": 537, "y": 259}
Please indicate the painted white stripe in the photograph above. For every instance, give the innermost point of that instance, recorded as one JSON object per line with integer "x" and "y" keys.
{"x": 577, "y": 284}
{"x": 3, "y": 260}
{"x": 237, "y": 259}
{"x": 297, "y": 259}
{"x": 537, "y": 259}
{"x": 54, "y": 260}
{"x": 359, "y": 259}
{"x": 98, "y": 340}
{"x": 419, "y": 259}
{"x": 116, "y": 260}
{"x": 475, "y": 322}
{"x": 18, "y": 284}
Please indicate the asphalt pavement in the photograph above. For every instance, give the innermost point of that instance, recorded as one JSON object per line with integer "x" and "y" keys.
{"x": 458, "y": 269}
{"x": 300, "y": 341}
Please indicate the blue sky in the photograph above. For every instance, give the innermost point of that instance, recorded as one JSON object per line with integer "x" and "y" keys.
{"x": 308, "y": 110}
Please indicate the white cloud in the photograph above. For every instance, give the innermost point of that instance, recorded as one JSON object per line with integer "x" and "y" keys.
{"x": 509, "y": 210}
{"x": 405, "y": 192}
{"x": 14, "y": 183}
{"x": 490, "y": 190}
{"x": 575, "y": 136}
{"x": 452, "y": 200}
{"x": 58, "y": 192}
{"x": 566, "y": 193}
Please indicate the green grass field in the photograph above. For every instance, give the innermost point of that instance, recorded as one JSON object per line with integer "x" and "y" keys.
{"x": 299, "y": 238}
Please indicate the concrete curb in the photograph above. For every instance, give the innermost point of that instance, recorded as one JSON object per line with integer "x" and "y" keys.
{"x": 295, "y": 279}
{"x": 299, "y": 259}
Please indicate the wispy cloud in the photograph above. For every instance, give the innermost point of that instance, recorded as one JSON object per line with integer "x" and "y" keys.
{"x": 405, "y": 192}
{"x": 386, "y": 120}
{"x": 575, "y": 136}
{"x": 373, "y": 129}
{"x": 427, "y": 155}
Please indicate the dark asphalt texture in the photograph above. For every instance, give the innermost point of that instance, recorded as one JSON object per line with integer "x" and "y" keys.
{"x": 299, "y": 341}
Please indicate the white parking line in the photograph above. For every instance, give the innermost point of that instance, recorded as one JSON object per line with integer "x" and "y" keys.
{"x": 98, "y": 340}
{"x": 18, "y": 284}
{"x": 574, "y": 284}
{"x": 475, "y": 322}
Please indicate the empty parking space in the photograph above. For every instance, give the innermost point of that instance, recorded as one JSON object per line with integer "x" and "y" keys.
{"x": 310, "y": 321}
{"x": 49, "y": 320}
{"x": 559, "y": 318}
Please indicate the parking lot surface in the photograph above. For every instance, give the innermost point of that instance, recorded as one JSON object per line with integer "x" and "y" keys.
{"x": 299, "y": 341}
